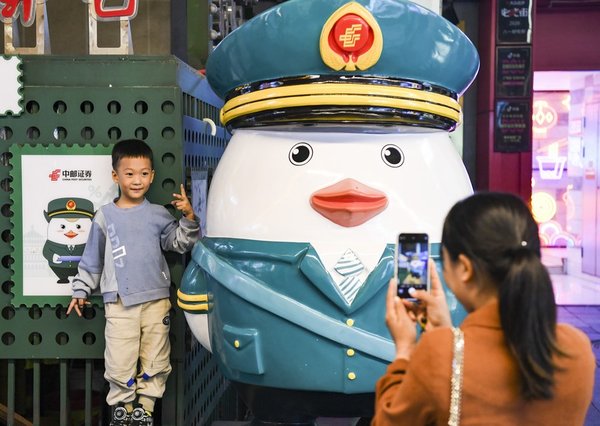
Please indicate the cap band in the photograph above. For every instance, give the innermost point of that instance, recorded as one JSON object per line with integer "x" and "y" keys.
{"x": 54, "y": 213}
{"x": 321, "y": 96}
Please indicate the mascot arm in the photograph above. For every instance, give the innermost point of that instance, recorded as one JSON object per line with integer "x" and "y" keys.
{"x": 192, "y": 296}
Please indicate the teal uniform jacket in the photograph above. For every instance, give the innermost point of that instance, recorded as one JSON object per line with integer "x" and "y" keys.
{"x": 277, "y": 319}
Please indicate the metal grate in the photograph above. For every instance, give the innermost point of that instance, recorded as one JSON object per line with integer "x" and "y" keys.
{"x": 207, "y": 394}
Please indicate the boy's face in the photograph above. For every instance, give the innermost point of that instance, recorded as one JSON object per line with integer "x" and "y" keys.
{"x": 134, "y": 176}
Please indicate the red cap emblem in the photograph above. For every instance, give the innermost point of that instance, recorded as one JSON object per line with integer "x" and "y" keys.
{"x": 351, "y": 38}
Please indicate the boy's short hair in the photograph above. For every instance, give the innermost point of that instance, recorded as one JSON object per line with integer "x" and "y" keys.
{"x": 131, "y": 148}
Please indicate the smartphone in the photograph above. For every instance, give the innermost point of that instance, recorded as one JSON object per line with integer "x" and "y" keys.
{"x": 412, "y": 263}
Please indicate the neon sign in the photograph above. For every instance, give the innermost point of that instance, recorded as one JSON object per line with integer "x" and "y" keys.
{"x": 544, "y": 118}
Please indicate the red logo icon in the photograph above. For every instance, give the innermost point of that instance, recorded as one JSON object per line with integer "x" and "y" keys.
{"x": 351, "y": 37}
{"x": 54, "y": 175}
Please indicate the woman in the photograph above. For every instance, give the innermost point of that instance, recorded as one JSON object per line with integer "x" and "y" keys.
{"x": 520, "y": 366}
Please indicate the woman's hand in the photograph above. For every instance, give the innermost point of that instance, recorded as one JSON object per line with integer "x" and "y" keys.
{"x": 433, "y": 311}
{"x": 400, "y": 323}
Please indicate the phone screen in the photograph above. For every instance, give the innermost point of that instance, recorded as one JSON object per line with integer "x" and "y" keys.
{"x": 412, "y": 261}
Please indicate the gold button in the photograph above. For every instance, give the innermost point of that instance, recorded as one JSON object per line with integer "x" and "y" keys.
{"x": 350, "y": 322}
{"x": 236, "y": 343}
{"x": 350, "y": 352}
{"x": 351, "y": 376}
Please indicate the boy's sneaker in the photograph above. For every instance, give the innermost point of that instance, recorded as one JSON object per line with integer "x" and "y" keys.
{"x": 120, "y": 416}
{"x": 141, "y": 417}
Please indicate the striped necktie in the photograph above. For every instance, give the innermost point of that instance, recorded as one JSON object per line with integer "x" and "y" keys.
{"x": 350, "y": 267}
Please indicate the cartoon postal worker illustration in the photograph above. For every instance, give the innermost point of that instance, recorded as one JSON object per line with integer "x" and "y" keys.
{"x": 69, "y": 224}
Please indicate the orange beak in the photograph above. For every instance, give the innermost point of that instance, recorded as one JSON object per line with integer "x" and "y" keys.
{"x": 71, "y": 234}
{"x": 348, "y": 203}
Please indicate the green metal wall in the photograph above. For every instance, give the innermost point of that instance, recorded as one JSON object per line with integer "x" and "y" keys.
{"x": 92, "y": 101}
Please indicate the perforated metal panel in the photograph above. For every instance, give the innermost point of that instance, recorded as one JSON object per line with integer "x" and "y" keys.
{"x": 86, "y": 101}
{"x": 90, "y": 102}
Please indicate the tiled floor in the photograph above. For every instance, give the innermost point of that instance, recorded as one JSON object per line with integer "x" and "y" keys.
{"x": 578, "y": 298}
{"x": 570, "y": 290}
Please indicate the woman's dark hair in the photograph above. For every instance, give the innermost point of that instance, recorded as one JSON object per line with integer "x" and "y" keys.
{"x": 131, "y": 148}
{"x": 498, "y": 234}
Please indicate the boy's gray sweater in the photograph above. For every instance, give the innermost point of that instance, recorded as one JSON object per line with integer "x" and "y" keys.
{"x": 123, "y": 253}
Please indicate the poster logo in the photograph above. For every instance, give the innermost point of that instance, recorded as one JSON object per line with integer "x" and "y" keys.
{"x": 70, "y": 175}
{"x": 54, "y": 175}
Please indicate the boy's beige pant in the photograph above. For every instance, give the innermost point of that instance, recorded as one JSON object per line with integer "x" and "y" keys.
{"x": 139, "y": 332}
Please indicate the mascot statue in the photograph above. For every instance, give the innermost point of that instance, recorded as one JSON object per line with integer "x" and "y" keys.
{"x": 340, "y": 112}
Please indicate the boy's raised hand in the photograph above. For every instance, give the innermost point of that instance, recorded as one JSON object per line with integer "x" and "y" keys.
{"x": 182, "y": 203}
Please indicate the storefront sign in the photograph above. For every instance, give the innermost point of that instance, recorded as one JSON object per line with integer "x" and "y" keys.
{"x": 512, "y": 126}
{"x": 514, "y": 21}
{"x": 11, "y": 10}
{"x": 53, "y": 216}
{"x": 513, "y": 72}
{"x": 109, "y": 13}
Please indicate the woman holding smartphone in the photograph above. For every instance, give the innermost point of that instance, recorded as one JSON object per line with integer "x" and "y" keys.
{"x": 519, "y": 366}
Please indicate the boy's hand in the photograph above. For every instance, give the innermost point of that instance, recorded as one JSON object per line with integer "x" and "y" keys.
{"x": 78, "y": 304}
{"x": 182, "y": 203}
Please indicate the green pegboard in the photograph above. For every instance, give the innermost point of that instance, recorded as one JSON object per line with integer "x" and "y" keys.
{"x": 78, "y": 104}
{"x": 86, "y": 104}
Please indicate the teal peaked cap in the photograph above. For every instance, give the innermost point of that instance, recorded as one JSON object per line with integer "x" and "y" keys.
{"x": 286, "y": 42}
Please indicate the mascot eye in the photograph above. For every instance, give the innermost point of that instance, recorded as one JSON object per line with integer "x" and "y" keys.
{"x": 300, "y": 154}
{"x": 63, "y": 227}
{"x": 78, "y": 226}
{"x": 392, "y": 156}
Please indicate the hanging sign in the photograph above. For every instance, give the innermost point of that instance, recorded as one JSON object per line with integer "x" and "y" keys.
{"x": 514, "y": 21}
{"x": 512, "y": 126}
{"x": 513, "y": 72}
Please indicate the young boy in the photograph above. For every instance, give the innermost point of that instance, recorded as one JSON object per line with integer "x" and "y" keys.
{"x": 123, "y": 256}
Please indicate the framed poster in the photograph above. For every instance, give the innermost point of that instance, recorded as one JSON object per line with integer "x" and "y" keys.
{"x": 514, "y": 76}
{"x": 513, "y": 24}
{"x": 56, "y": 192}
{"x": 512, "y": 126}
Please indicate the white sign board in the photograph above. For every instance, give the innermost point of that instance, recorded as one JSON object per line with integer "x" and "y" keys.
{"x": 10, "y": 85}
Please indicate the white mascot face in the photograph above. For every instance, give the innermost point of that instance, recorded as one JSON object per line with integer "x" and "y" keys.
{"x": 69, "y": 231}
{"x": 337, "y": 191}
